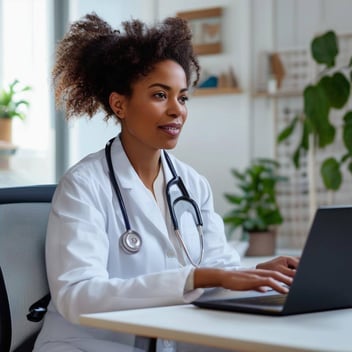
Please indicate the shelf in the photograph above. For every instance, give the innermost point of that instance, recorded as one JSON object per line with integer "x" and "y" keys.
{"x": 278, "y": 94}
{"x": 216, "y": 91}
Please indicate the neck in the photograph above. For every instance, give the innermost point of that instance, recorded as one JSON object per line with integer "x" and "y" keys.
{"x": 145, "y": 162}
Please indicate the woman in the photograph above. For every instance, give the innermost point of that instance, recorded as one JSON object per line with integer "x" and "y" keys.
{"x": 141, "y": 78}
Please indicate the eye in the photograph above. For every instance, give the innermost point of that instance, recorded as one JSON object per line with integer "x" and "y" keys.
{"x": 160, "y": 95}
{"x": 183, "y": 99}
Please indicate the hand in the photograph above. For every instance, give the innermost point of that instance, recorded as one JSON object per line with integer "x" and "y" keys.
{"x": 283, "y": 264}
{"x": 242, "y": 280}
{"x": 257, "y": 279}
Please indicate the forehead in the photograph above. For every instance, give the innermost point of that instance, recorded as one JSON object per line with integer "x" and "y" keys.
{"x": 166, "y": 72}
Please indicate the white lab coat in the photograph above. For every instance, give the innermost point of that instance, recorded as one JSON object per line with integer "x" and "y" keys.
{"x": 88, "y": 272}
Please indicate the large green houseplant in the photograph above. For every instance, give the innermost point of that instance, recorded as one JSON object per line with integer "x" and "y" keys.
{"x": 255, "y": 208}
{"x": 327, "y": 95}
{"x": 12, "y": 105}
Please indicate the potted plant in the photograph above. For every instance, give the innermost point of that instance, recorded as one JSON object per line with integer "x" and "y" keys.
{"x": 11, "y": 105}
{"x": 327, "y": 95}
{"x": 255, "y": 208}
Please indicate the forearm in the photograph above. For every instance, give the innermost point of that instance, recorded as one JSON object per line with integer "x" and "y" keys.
{"x": 208, "y": 277}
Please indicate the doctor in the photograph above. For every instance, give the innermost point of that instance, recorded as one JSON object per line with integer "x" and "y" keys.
{"x": 120, "y": 235}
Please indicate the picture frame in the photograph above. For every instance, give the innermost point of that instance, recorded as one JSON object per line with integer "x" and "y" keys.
{"x": 206, "y": 26}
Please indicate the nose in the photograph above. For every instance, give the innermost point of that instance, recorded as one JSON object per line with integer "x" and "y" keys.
{"x": 175, "y": 108}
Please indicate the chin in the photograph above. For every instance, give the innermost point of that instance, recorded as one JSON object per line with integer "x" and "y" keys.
{"x": 169, "y": 146}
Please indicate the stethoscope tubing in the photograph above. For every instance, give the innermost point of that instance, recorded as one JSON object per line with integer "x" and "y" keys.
{"x": 130, "y": 240}
{"x": 116, "y": 186}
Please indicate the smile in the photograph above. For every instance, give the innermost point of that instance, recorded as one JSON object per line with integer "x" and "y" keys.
{"x": 171, "y": 130}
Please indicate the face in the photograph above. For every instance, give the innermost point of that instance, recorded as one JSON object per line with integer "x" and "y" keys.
{"x": 152, "y": 118}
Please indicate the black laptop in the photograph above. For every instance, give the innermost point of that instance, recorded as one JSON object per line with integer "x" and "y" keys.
{"x": 323, "y": 278}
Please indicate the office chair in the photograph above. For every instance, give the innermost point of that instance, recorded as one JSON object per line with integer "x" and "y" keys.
{"x": 23, "y": 220}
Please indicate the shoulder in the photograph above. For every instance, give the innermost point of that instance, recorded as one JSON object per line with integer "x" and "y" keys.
{"x": 87, "y": 177}
{"x": 91, "y": 167}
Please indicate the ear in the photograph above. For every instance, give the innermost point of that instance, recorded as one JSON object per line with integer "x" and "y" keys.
{"x": 117, "y": 104}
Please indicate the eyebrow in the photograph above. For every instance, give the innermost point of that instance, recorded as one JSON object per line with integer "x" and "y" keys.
{"x": 164, "y": 86}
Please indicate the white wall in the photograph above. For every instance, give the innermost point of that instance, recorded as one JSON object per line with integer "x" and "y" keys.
{"x": 223, "y": 131}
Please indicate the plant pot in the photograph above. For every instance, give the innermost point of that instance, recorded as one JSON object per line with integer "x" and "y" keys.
{"x": 6, "y": 130}
{"x": 261, "y": 244}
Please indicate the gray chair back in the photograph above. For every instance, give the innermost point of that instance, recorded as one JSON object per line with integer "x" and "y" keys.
{"x": 23, "y": 220}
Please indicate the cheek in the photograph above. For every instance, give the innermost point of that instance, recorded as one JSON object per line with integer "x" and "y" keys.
{"x": 185, "y": 113}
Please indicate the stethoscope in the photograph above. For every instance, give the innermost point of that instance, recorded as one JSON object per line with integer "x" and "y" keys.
{"x": 131, "y": 241}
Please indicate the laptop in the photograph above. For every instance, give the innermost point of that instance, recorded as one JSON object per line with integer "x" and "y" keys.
{"x": 323, "y": 278}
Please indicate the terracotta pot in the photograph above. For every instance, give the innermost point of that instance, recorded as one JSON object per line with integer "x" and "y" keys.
{"x": 261, "y": 244}
{"x": 6, "y": 130}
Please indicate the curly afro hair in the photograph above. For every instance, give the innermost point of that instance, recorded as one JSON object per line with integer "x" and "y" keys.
{"x": 93, "y": 60}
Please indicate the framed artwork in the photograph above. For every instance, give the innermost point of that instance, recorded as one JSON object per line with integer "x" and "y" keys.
{"x": 206, "y": 29}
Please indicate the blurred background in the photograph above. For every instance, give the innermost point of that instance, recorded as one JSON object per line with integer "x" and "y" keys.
{"x": 255, "y": 60}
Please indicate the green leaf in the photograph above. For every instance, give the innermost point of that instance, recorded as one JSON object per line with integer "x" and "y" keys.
{"x": 344, "y": 158}
{"x": 231, "y": 198}
{"x": 337, "y": 89}
{"x": 324, "y": 49}
{"x": 347, "y": 131}
{"x": 307, "y": 130}
{"x": 348, "y": 117}
{"x": 331, "y": 174}
{"x": 10, "y": 102}
{"x": 350, "y": 167}
{"x": 287, "y": 132}
{"x": 274, "y": 217}
{"x": 237, "y": 174}
{"x": 316, "y": 108}
{"x": 296, "y": 157}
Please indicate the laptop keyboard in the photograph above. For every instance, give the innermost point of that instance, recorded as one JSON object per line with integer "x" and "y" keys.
{"x": 272, "y": 300}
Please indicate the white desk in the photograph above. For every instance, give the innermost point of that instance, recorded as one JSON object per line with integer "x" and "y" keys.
{"x": 320, "y": 332}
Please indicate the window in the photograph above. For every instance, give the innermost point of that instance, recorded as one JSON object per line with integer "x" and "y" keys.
{"x": 26, "y": 56}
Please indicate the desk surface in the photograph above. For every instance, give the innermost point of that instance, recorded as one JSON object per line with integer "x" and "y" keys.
{"x": 320, "y": 332}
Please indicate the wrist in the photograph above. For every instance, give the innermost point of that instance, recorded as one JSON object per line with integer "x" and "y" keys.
{"x": 208, "y": 277}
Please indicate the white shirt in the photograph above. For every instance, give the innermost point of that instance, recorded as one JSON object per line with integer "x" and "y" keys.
{"x": 87, "y": 270}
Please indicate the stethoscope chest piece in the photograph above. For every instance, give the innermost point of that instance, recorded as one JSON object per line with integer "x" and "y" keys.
{"x": 130, "y": 242}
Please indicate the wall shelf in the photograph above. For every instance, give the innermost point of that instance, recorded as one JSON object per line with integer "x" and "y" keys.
{"x": 278, "y": 94}
{"x": 216, "y": 91}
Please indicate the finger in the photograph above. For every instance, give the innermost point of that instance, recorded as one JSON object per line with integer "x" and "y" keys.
{"x": 276, "y": 285}
{"x": 277, "y": 275}
{"x": 287, "y": 271}
{"x": 292, "y": 262}
{"x": 262, "y": 289}
{"x": 281, "y": 289}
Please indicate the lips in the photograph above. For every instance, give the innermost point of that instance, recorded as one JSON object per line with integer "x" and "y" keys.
{"x": 171, "y": 129}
